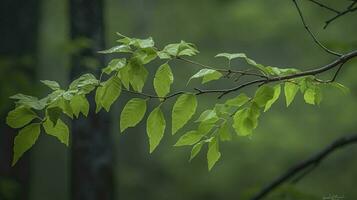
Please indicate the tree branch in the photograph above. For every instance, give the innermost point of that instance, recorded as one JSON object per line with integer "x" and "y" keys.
{"x": 338, "y": 62}
{"x": 313, "y": 161}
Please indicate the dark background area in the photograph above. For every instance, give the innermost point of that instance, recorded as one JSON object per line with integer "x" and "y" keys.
{"x": 58, "y": 40}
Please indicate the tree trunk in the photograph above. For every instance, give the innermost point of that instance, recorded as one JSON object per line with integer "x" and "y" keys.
{"x": 18, "y": 50}
{"x": 92, "y": 155}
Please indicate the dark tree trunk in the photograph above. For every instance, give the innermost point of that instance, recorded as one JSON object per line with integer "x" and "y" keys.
{"x": 92, "y": 155}
{"x": 18, "y": 54}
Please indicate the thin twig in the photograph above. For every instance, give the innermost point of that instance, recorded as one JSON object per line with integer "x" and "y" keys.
{"x": 313, "y": 160}
{"x": 311, "y": 33}
{"x": 325, "y": 6}
{"x": 349, "y": 9}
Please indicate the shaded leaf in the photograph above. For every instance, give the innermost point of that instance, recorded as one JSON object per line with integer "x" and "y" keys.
{"x": 25, "y": 140}
{"x": 277, "y": 91}
{"x": 213, "y": 153}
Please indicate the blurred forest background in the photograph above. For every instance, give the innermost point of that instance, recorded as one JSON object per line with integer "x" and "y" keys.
{"x": 38, "y": 40}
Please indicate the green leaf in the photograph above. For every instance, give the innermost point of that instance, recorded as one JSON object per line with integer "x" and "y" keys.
{"x": 29, "y": 101}
{"x": 138, "y": 75}
{"x": 213, "y": 153}
{"x": 20, "y": 116}
{"x": 124, "y": 76}
{"x": 51, "y": 84}
{"x": 192, "y": 137}
{"x": 238, "y": 101}
{"x": 133, "y": 112}
{"x": 85, "y": 84}
{"x": 196, "y": 149}
{"x": 246, "y": 120}
{"x": 60, "y": 130}
{"x": 64, "y": 105}
{"x": 345, "y": 90}
{"x": 277, "y": 91}
{"x": 189, "y": 138}
{"x": 231, "y": 56}
{"x": 145, "y": 56}
{"x": 290, "y": 90}
{"x": 79, "y": 104}
{"x": 53, "y": 114}
{"x": 155, "y": 127}
{"x": 208, "y": 116}
{"x": 313, "y": 96}
{"x": 263, "y": 95}
{"x": 183, "y": 110}
{"x": 207, "y": 74}
{"x": 178, "y": 49}
{"x": 224, "y": 132}
{"x": 108, "y": 93}
{"x": 163, "y": 80}
{"x": 98, "y": 98}
{"x": 115, "y": 65}
{"x": 117, "y": 49}
{"x": 25, "y": 140}
{"x": 211, "y": 77}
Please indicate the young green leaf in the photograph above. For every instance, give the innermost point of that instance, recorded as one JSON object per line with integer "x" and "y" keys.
{"x": 51, "y": 84}
{"x": 207, "y": 74}
{"x": 133, "y": 112}
{"x": 138, "y": 75}
{"x": 124, "y": 76}
{"x": 345, "y": 90}
{"x": 313, "y": 96}
{"x": 108, "y": 93}
{"x": 189, "y": 138}
{"x": 155, "y": 127}
{"x": 208, "y": 116}
{"x": 263, "y": 95}
{"x": 246, "y": 120}
{"x": 183, "y": 110}
{"x": 115, "y": 65}
{"x": 224, "y": 132}
{"x": 60, "y": 130}
{"x": 238, "y": 101}
{"x": 213, "y": 153}
{"x": 117, "y": 49}
{"x": 290, "y": 90}
{"x": 195, "y": 150}
{"x": 79, "y": 104}
{"x": 231, "y": 56}
{"x": 85, "y": 84}
{"x": 163, "y": 80}
{"x": 30, "y": 101}
{"x": 25, "y": 140}
{"x": 192, "y": 137}
{"x": 53, "y": 114}
{"x": 277, "y": 91}
{"x": 20, "y": 116}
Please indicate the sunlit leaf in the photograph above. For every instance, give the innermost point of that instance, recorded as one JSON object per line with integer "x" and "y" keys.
{"x": 277, "y": 91}
{"x": 163, "y": 80}
{"x": 290, "y": 90}
{"x": 51, "y": 84}
{"x": 20, "y": 116}
{"x": 213, "y": 153}
{"x": 183, "y": 110}
{"x": 155, "y": 127}
{"x": 133, "y": 112}
{"x": 60, "y": 130}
